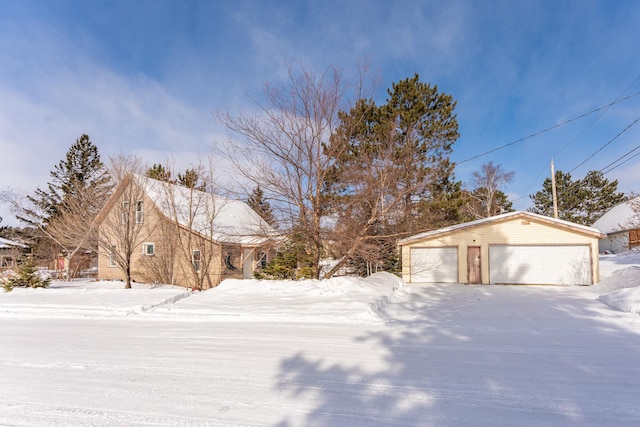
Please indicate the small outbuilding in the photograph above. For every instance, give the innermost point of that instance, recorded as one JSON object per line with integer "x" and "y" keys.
{"x": 10, "y": 252}
{"x": 512, "y": 248}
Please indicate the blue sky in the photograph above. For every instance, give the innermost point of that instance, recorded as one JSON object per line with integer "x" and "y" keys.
{"x": 144, "y": 77}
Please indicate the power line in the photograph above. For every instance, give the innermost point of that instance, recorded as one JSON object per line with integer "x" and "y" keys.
{"x": 597, "y": 118}
{"x": 621, "y": 163}
{"x": 607, "y": 143}
{"x": 566, "y": 122}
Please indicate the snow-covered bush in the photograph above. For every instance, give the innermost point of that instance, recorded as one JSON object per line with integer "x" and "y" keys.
{"x": 27, "y": 276}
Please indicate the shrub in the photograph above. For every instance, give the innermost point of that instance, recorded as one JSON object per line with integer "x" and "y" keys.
{"x": 27, "y": 277}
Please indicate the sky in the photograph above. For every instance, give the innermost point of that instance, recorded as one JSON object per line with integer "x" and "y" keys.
{"x": 145, "y": 77}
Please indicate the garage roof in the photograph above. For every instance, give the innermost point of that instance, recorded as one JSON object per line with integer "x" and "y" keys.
{"x": 570, "y": 226}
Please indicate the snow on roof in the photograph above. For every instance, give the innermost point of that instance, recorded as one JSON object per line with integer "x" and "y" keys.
{"x": 7, "y": 244}
{"x": 497, "y": 218}
{"x": 620, "y": 217}
{"x": 233, "y": 220}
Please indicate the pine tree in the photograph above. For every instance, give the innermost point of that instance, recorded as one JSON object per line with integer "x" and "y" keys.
{"x": 600, "y": 196}
{"x": 392, "y": 175}
{"x": 581, "y": 201}
{"x": 191, "y": 179}
{"x": 258, "y": 203}
{"x": 159, "y": 172}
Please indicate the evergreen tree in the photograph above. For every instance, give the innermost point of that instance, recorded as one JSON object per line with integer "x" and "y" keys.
{"x": 27, "y": 277}
{"x": 424, "y": 128}
{"x": 159, "y": 172}
{"x": 600, "y": 196}
{"x": 81, "y": 169}
{"x": 392, "y": 175}
{"x": 63, "y": 213}
{"x": 191, "y": 179}
{"x": 581, "y": 201}
{"x": 258, "y": 203}
{"x": 566, "y": 191}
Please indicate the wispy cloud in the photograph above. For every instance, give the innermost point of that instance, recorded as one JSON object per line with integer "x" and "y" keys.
{"x": 43, "y": 113}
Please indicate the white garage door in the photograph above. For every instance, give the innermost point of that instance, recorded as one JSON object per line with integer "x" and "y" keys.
{"x": 434, "y": 265}
{"x": 543, "y": 265}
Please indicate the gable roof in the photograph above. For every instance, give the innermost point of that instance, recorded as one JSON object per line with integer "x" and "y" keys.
{"x": 234, "y": 221}
{"x": 620, "y": 217}
{"x": 570, "y": 226}
{"x": 7, "y": 244}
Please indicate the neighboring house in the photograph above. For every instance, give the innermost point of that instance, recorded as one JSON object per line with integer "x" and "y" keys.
{"x": 622, "y": 227}
{"x": 235, "y": 239}
{"x": 10, "y": 253}
{"x": 513, "y": 248}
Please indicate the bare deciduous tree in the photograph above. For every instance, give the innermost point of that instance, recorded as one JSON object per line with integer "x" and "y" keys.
{"x": 193, "y": 213}
{"x": 487, "y": 198}
{"x": 283, "y": 147}
{"x": 124, "y": 227}
{"x": 72, "y": 230}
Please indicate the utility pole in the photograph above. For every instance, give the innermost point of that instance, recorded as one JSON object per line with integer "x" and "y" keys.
{"x": 553, "y": 191}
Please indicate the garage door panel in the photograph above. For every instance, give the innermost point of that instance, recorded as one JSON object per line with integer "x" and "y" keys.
{"x": 545, "y": 265}
{"x": 434, "y": 265}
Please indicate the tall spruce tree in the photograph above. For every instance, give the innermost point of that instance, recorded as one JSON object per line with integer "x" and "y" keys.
{"x": 81, "y": 168}
{"x": 582, "y": 201}
{"x": 64, "y": 212}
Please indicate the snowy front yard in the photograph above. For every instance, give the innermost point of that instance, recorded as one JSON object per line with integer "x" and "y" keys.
{"x": 345, "y": 352}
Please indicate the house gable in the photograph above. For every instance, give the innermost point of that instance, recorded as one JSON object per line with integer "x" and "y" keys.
{"x": 219, "y": 227}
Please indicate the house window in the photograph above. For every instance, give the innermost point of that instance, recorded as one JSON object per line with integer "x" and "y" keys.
{"x": 263, "y": 261}
{"x": 8, "y": 262}
{"x": 148, "y": 249}
{"x": 125, "y": 212}
{"x": 195, "y": 259}
{"x": 112, "y": 256}
{"x": 139, "y": 212}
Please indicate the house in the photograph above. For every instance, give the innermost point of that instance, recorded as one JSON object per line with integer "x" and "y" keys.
{"x": 10, "y": 252}
{"x": 180, "y": 235}
{"x": 512, "y": 248}
{"x": 622, "y": 227}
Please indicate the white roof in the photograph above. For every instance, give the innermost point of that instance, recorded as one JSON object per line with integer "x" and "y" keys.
{"x": 620, "y": 217}
{"x": 233, "y": 220}
{"x": 506, "y": 216}
{"x": 6, "y": 244}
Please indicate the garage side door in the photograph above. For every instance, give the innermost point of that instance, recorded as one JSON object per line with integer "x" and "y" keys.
{"x": 542, "y": 265}
{"x": 434, "y": 265}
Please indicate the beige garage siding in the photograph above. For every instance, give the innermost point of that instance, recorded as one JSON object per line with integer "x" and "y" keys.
{"x": 518, "y": 228}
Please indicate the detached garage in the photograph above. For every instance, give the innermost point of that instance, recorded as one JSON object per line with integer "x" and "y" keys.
{"x": 513, "y": 248}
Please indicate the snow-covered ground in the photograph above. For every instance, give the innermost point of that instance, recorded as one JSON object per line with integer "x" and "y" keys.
{"x": 344, "y": 352}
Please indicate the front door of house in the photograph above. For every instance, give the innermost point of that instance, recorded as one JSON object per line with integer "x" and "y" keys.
{"x": 474, "y": 271}
{"x": 247, "y": 263}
